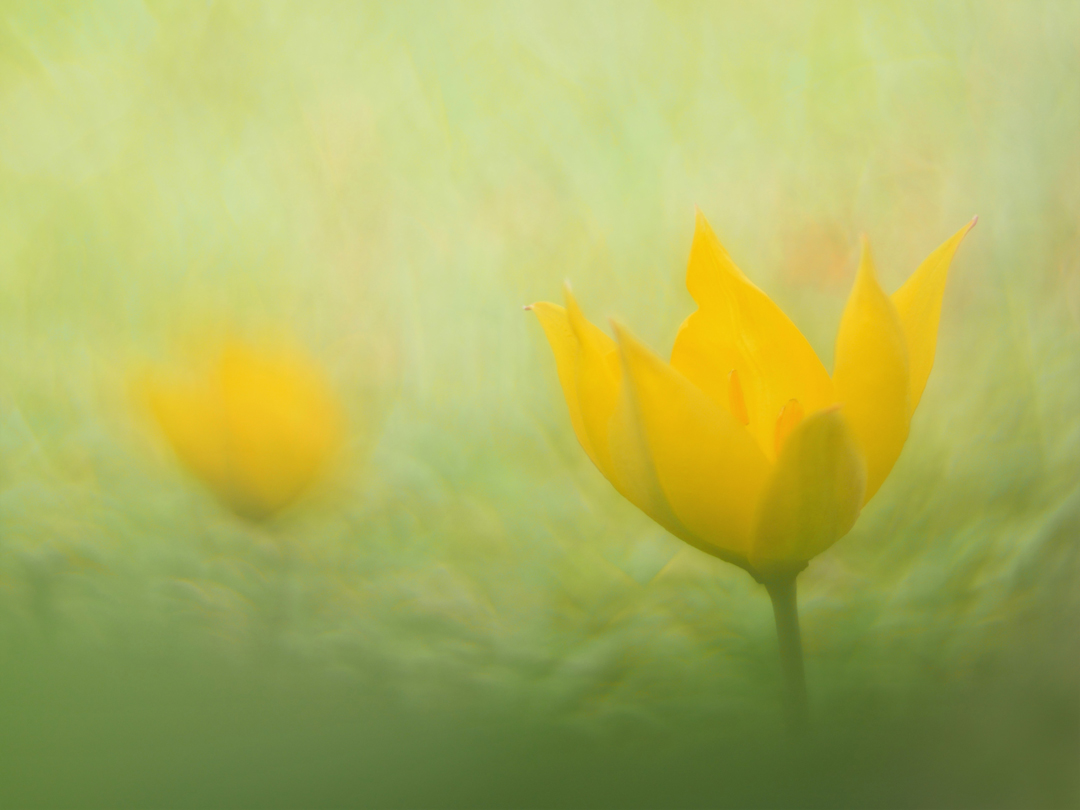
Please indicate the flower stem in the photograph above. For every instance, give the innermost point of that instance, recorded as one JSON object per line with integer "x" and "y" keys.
{"x": 782, "y": 592}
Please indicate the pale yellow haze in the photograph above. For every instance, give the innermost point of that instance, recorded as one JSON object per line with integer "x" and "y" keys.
{"x": 743, "y": 445}
{"x": 258, "y": 427}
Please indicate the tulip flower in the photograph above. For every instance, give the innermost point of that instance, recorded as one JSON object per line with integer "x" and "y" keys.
{"x": 743, "y": 445}
{"x": 257, "y": 429}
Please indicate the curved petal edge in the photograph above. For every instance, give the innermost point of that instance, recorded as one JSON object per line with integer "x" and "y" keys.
{"x": 813, "y": 496}
{"x": 708, "y": 465}
{"x": 872, "y": 375}
{"x": 918, "y": 304}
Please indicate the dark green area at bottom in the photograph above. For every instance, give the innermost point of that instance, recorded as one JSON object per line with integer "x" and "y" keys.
{"x": 98, "y": 730}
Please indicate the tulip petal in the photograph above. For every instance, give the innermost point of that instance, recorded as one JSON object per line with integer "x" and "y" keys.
{"x": 737, "y": 326}
{"x": 636, "y": 478}
{"x": 708, "y": 466}
{"x": 918, "y": 303}
{"x": 872, "y": 377}
{"x": 598, "y": 373}
{"x": 587, "y": 363}
{"x": 813, "y": 495}
{"x": 564, "y": 346}
{"x": 603, "y": 414}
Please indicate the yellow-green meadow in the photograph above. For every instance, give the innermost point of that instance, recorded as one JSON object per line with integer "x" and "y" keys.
{"x": 292, "y": 508}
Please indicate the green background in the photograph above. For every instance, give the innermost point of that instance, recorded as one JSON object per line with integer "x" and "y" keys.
{"x": 463, "y": 612}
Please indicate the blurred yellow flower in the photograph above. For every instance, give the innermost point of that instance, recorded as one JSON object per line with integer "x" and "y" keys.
{"x": 257, "y": 429}
{"x": 743, "y": 445}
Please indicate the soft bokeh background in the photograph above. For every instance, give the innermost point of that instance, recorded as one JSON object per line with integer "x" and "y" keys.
{"x": 463, "y": 612}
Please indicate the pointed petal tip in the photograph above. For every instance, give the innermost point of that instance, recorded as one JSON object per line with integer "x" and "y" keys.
{"x": 568, "y": 295}
{"x": 866, "y": 256}
{"x": 623, "y": 336}
{"x": 974, "y": 222}
{"x": 701, "y": 225}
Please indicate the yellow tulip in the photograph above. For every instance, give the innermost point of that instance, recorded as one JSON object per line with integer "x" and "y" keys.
{"x": 257, "y": 429}
{"x": 743, "y": 445}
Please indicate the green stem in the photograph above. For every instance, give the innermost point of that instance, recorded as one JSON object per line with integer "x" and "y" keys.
{"x": 782, "y": 592}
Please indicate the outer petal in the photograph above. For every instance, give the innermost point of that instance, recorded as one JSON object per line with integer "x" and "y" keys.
{"x": 872, "y": 377}
{"x": 813, "y": 496}
{"x": 588, "y": 368}
{"x": 564, "y": 346}
{"x": 709, "y": 468}
{"x": 918, "y": 303}
{"x": 636, "y": 478}
{"x": 598, "y": 373}
{"x": 738, "y": 326}
{"x": 614, "y": 438}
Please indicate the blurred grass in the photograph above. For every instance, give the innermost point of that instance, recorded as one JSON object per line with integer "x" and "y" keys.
{"x": 464, "y": 613}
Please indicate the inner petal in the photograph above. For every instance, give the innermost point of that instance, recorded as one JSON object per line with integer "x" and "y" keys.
{"x": 738, "y": 326}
